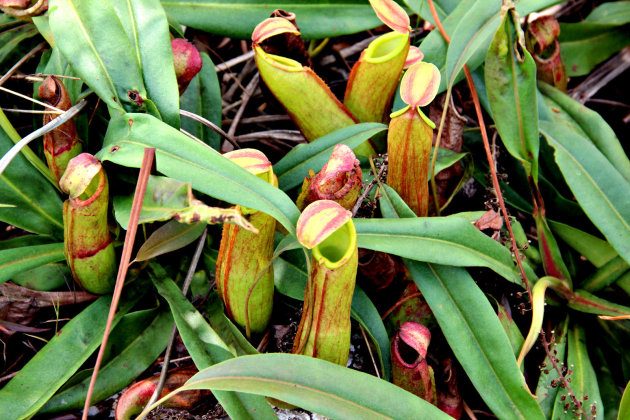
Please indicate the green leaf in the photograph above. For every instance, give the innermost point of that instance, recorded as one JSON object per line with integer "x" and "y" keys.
{"x": 510, "y": 76}
{"x": 421, "y": 8}
{"x": 511, "y": 329}
{"x": 394, "y": 207}
{"x": 447, "y": 158}
{"x": 93, "y": 40}
{"x": 614, "y": 13}
{"x": 10, "y": 40}
{"x": 43, "y": 26}
{"x": 47, "y": 277}
{"x": 206, "y": 347}
{"x": 599, "y": 188}
{"x": 594, "y": 127}
{"x": 169, "y": 237}
{"x": 583, "y": 301}
{"x": 237, "y": 18}
{"x": 471, "y": 34}
{"x": 585, "y": 44}
{"x": 55, "y": 363}
{"x": 316, "y": 385}
{"x": 147, "y": 29}
{"x": 583, "y": 378}
{"x": 37, "y": 205}
{"x": 182, "y": 158}
{"x": 606, "y": 275}
{"x": 167, "y": 198}
{"x": 18, "y": 260}
{"x": 366, "y": 314}
{"x": 440, "y": 241}
{"x": 624, "y": 406}
{"x": 203, "y": 97}
{"x": 610, "y": 392}
{"x": 122, "y": 369}
{"x": 443, "y": 240}
{"x": 290, "y": 280}
{"x": 470, "y": 326}
{"x": 24, "y": 241}
{"x": 476, "y": 337}
{"x": 294, "y": 166}
{"x": 594, "y": 249}
{"x": 231, "y": 335}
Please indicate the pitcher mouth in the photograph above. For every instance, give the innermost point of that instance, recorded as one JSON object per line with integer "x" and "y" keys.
{"x": 337, "y": 248}
{"x": 282, "y": 63}
{"x": 386, "y": 47}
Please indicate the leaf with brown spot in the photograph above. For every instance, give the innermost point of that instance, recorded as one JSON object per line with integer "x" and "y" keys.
{"x": 168, "y": 198}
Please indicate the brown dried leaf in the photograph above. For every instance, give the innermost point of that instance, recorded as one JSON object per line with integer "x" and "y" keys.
{"x": 489, "y": 220}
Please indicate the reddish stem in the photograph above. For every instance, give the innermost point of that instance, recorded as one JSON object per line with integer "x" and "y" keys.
{"x": 400, "y": 302}
{"x": 486, "y": 145}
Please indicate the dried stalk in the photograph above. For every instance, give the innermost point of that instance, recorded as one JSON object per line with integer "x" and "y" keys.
{"x": 136, "y": 208}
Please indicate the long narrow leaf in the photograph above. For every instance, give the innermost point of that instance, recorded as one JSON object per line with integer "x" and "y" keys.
{"x": 473, "y": 32}
{"x": 180, "y": 157}
{"x": 477, "y": 338}
{"x": 37, "y": 207}
{"x": 316, "y": 385}
{"x": 443, "y": 240}
{"x": 130, "y": 361}
{"x": 593, "y": 125}
{"x": 585, "y": 44}
{"x": 203, "y": 97}
{"x": 594, "y": 249}
{"x": 599, "y": 188}
{"x": 207, "y": 348}
{"x": 55, "y": 363}
{"x": 510, "y": 74}
{"x": 169, "y": 237}
{"x": 147, "y": 29}
{"x": 624, "y": 406}
{"x": 471, "y": 328}
{"x": 545, "y": 393}
{"x": 18, "y": 260}
{"x": 93, "y": 40}
{"x": 583, "y": 379}
{"x": 293, "y": 167}
{"x": 237, "y": 18}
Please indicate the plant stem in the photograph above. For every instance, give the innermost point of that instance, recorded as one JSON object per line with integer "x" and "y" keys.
{"x": 447, "y": 101}
{"x": 561, "y": 376}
